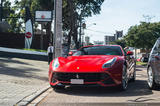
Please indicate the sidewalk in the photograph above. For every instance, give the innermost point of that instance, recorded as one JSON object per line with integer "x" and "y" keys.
{"x": 25, "y": 54}
{"x": 21, "y": 78}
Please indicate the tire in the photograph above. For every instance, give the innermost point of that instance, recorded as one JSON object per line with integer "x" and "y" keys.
{"x": 134, "y": 76}
{"x": 56, "y": 87}
{"x": 124, "y": 83}
{"x": 151, "y": 79}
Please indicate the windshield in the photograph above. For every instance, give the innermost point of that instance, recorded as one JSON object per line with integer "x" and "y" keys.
{"x": 156, "y": 48}
{"x": 99, "y": 50}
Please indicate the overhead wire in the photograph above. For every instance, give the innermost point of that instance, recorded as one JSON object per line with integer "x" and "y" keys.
{"x": 100, "y": 32}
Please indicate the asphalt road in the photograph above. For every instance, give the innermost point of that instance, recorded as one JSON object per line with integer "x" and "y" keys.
{"x": 137, "y": 94}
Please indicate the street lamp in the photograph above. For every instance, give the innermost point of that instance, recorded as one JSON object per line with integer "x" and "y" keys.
{"x": 84, "y": 27}
{"x": 91, "y": 25}
{"x": 58, "y": 28}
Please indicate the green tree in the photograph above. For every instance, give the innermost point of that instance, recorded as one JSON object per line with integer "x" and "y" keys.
{"x": 7, "y": 11}
{"x": 143, "y": 35}
{"x": 11, "y": 15}
{"x": 121, "y": 42}
{"x": 74, "y": 12}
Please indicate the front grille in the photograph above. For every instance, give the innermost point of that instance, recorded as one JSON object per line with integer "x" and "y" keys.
{"x": 108, "y": 81}
{"x": 88, "y": 77}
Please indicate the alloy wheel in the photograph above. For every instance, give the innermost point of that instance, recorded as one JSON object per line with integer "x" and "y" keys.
{"x": 124, "y": 78}
{"x": 150, "y": 77}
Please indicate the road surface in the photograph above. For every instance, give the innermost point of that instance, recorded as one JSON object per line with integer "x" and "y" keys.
{"x": 137, "y": 92}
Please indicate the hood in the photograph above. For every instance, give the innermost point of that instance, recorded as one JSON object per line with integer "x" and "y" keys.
{"x": 85, "y": 63}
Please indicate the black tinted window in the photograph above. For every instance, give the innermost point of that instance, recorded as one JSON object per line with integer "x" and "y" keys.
{"x": 100, "y": 50}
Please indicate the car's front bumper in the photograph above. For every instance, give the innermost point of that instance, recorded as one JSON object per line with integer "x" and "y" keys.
{"x": 88, "y": 79}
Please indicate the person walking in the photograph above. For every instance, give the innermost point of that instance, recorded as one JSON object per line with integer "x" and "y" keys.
{"x": 50, "y": 51}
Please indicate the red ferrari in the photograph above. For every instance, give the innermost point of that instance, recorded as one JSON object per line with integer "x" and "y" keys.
{"x": 101, "y": 65}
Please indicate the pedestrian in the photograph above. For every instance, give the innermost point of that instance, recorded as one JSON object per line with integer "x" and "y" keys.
{"x": 50, "y": 51}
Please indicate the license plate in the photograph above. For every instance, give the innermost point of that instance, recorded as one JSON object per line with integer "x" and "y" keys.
{"x": 77, "y": 81}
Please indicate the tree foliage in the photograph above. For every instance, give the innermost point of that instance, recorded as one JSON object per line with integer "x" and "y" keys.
{"x": 74, "y": 12}
{"x": 9, "y": 11}
{"x": 120, "y": 42}
{"x": 143, "y": 35}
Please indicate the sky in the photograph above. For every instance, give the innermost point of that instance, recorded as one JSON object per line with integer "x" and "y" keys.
{"x": 120, "y": 15}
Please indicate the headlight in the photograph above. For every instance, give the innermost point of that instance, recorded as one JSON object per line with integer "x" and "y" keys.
{"x": 55, "y": 64}
{"x": 109, "y": 63}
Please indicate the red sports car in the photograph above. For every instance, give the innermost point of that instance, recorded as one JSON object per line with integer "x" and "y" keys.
{"x": 103, "y": 65}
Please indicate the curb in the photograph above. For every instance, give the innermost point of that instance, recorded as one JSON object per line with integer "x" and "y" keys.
{"x": 40, "y": 98}
{"x": 28, "y": 99}
{"x": 24, "y": 56}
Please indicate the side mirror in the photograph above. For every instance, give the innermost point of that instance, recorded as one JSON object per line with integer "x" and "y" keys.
{"x": 129, "y": 53}
{"x": 157, "y": 57}
{"x": 70, "y": 53}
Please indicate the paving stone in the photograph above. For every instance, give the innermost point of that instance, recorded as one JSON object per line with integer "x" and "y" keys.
{"x": 20, "y": 78}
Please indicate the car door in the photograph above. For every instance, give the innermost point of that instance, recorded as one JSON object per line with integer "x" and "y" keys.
{"x": 155, "y": 60}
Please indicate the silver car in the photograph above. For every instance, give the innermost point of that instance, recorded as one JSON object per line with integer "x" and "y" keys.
{"x": 153, "y": 69}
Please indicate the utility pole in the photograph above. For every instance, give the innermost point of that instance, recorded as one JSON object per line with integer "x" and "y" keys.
{"x": 58, "y": 28}
{"x": 80, "y": 32}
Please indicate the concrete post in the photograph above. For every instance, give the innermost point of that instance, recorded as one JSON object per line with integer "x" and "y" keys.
{"x": 58, "y": 28}
{"x": 41, "y": 36}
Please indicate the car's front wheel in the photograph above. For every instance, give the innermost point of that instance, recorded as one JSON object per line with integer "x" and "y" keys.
{"x": 134, "y": 75}
{"x": 151, "y": 79}
{"x": 124, "y": 83}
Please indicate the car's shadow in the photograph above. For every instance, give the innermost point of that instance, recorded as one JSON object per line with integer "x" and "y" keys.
{"x": 137, "y": 88}
{"x": 10, "y": 60}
